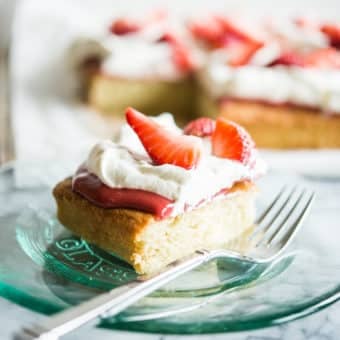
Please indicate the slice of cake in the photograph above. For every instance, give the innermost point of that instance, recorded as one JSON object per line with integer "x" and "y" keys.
{"x": 286, "y": 95}
{"x": 157, "y": 193}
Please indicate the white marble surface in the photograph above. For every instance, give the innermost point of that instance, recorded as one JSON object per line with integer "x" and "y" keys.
{"x": 324, "y": 325}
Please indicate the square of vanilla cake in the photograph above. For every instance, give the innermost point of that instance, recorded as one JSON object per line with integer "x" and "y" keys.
{"x": 158, "y": 193}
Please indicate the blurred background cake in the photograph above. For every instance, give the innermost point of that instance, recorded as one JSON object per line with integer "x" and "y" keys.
{"x": 287, "y": 93}
{"x": 278, "y": 78}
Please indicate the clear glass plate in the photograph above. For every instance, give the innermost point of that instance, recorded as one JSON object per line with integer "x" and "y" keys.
{"x": 46, "y": 269}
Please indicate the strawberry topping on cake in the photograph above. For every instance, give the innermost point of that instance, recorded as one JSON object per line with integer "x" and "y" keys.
{"x": 232, "y": 141}
{"x": 333, "y": 33}
{"x": 181, "y": 54}
{"x": 153, "y": 167}
{"x": 289, "y": 59}
{"x": 163, "y": 146}
{"x": 200, "y": 127}
{"x": 220, "y": 32}
{"x": 319, "y": 58}
{"x": 124, "y": 25}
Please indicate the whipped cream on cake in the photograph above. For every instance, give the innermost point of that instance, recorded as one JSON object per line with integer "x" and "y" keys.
{"x": 157, "y": 47}
{"x": 124, "y": 164}
{"x": 128, "y": 57}
{"x": 316, "y": 88}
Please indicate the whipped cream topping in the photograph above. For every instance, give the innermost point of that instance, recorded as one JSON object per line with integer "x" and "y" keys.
{"x": 125, "y": 164}
{"x": 298, "y": 37}
{"x": 317, "y": 88}
{"x": 127, "y": 57}
{"x": 139, "y": 58}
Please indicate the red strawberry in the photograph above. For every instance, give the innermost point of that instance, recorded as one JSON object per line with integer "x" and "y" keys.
{"x": 162, "y": 145}
{"x": 234, "y": 31}
{"x": 289, "y": 59}
{"x": 240, "y": 52}
{"x": 232, "y": 141}
{"x": 181, "y": 55}
{"x": 209, "y": 30}
{"x": 183, "y": 59}
{"x": 124, "y": 26}
{"x": 201, "y": 127}
{"x": 333, "y": 33}
{"x": 240, "y": 45}
{"x": 168, "y": 38}
{"x": 323, "y": 58}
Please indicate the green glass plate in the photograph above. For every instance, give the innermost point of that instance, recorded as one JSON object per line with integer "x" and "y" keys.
{"x": 47, "y": 269}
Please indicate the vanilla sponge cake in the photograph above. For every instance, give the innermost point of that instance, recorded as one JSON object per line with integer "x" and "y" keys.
{"x": 149, "y": 244}
{"x": 111, "y": 95}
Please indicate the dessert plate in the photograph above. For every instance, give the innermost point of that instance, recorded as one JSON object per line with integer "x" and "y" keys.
{"x": 45, "y": 268}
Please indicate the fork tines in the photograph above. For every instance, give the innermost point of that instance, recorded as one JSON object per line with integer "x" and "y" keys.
{"x": 280, "y": 221}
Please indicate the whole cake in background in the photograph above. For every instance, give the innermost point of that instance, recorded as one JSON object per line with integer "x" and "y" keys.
{"x": 278, "y": 78}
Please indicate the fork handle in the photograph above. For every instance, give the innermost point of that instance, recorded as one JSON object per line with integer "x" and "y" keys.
{"x": 110, "y": 303}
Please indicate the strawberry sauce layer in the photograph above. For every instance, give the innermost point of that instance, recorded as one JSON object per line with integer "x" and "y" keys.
{"x": 90, "y": 187}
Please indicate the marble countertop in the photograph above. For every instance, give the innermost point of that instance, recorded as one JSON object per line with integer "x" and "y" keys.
{"x": 324, "y": 325}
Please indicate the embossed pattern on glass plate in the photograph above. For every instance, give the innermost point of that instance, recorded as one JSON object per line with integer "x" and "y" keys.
{"x": 46, "y": 268}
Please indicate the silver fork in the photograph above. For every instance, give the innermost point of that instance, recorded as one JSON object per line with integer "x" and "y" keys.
{"x": 275, "y": 229}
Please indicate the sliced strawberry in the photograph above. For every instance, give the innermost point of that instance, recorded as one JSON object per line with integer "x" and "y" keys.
{"x": 289, "y": 59}
{"x": 333, "y": 33}
{"x": 239, "y": 52}
{"x": 240, "y": 44}
{"x": 208, "y": 30}
{"x": 232, "y": 30}
{"x": 168, "y": 38}
{"x": 183, "y": 59}
{"x": 181, "y": 55}
{"x": 232, "y": 141}
{"x": 220, "y": 32}
{"x": 201, "y": 127}
{"x": 324, "y": 58}
{"x": 124, "y": 26}
{"x": 162, "y": 145}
